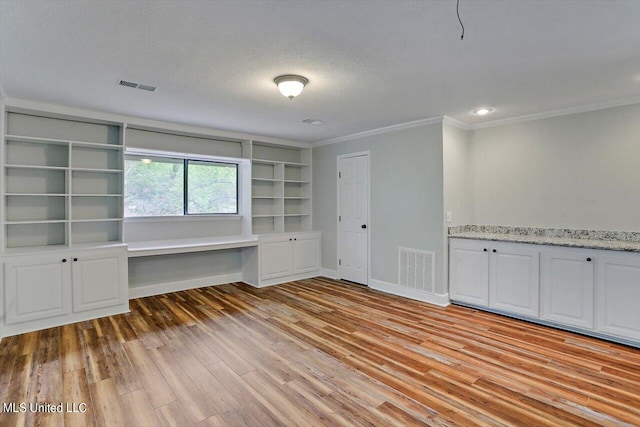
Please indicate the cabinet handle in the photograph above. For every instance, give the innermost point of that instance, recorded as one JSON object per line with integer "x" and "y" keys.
{"x": 75, "y": 259}
{"x": 495, "y": 250}
{"x": 64, "y": 260}
{"x": 588, "y": 259}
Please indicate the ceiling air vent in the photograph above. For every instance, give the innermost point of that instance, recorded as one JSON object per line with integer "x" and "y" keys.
{"x": 147, "y": 87}
{"x": 140, "y": 86}
{"x": 128, "y": 84}
{"x": 313, "y": 122}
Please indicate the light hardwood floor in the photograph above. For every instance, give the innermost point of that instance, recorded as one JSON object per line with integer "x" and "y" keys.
{"x": 315, "y": 352}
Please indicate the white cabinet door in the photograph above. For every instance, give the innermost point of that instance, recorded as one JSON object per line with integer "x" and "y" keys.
{"x": 514, "y": 279}
{"x": 99, "y": 279}
{"x": 276, "y": 257}
{"x": 37, "y": 288}
{"x": 306, "y": 253}
{"x": 567, "y": 287}
{"x": 618, "y": 295}
{"x": 469, "y": 272}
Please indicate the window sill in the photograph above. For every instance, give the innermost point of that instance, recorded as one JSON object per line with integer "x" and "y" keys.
{"x": 182, "y": 218}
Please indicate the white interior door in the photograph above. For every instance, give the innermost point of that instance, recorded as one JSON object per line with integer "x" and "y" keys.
{"x": 353, "y": 217}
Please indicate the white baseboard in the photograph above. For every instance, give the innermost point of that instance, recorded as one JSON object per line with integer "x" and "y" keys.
{"x": 437, "y": 299}
{"x": 181, "y": 285}
{"x": 285, "y": 279}
{"x": 331, "y": 274}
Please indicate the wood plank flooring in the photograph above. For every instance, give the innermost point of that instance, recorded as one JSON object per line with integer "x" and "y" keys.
{"x": 315, "y": 352}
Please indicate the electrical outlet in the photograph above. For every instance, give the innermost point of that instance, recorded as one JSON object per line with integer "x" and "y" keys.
{"x": 449, "y": 216}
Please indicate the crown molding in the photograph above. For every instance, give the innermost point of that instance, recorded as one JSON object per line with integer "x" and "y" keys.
{"x": 455, "y": 123}
{"x": 556, "y": 113}
{"x": 378, "y": 131}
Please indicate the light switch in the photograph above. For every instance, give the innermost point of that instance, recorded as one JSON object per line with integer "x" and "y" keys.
{"x": 449, "y": 216}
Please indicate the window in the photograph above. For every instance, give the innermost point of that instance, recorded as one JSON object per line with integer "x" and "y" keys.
{"x": 163, "y": 186}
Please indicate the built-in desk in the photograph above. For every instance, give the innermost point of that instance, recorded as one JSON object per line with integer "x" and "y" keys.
{"x": 178, "y": 246}
{"x": 161, "y": 266}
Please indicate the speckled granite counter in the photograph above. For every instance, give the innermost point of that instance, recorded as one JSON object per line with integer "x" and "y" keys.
{"x": 627, "y": 241}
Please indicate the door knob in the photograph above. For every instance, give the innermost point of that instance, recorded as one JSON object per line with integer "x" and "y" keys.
{"x": 363, "y": 226}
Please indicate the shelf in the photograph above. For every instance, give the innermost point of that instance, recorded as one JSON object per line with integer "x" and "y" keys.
{"x": 95, "y": 195}
{"x": 265, "y": 162}
{"x": 276, "y": 162}
{"x": 97, "y": 220}
{"x": 36, "y": 194}
{"x": 96, "y": 145}
{"x": 15, "y": 166}
{"x": 36, "y": 221}
{"x": 38, "y": 140}
{"x": 267, "y": 216}
{"x": 295, "y": 181}
{"x": 265, "y": 197}
{"x": 296, "y": 198}
{"x": 97, "y": 170}
{"x": 266, "y": 179}
{"x": 35, "y": 249}
{"x": 298, "y": 214}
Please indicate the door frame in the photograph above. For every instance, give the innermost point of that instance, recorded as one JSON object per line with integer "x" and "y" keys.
{"x": 366, "y": 154}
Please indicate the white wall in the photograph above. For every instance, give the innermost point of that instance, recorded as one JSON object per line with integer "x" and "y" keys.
{"x": 575, "y": 171}
{"x": 457, "y": 181}
{"x": 406, "y": 197}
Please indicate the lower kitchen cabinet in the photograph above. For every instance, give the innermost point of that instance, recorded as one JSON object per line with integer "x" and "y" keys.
{"x": 618, "y": 295}
{"x": 596, "y": 292}
{"x": 99, "y": 280}
{"x": 37, "y": 288}
{"x": 288, "y": 256}
{"x": 53, "y": 289}
{"x": 567, "y": 287}
{"x": 502, "y": 276}
{"x": 469, "y": 272}
{"x": 514, "y": 279}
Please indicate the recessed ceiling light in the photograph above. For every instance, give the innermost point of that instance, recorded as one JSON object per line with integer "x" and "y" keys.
{"x": 313, "y": 122}
{"x": 483, "y": 111}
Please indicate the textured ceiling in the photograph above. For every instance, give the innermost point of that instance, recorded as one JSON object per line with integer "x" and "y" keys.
{"x": 370, "y": 63}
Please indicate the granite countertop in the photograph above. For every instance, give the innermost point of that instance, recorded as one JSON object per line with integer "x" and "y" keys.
{"x": 591, "y": 239}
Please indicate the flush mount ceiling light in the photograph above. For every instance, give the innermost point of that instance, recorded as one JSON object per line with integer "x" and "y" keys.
{"x": 483, "y": 111}
{"x": 146, "y": 161}
{"x": 290, "y": 85}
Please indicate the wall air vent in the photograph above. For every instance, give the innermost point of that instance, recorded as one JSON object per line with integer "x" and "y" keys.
{"x": 416, "y": 269}
{"x": 140, "y": 86}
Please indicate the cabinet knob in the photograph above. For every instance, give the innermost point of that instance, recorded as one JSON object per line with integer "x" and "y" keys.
{"x": 75, "y": 259}
{"x": 64, "y": 260}
{"x": 363, "y": 226}
{"x": 290, "y": 239}
{"x": 589, "y": 259}
{"x": 295, "y": 238}
{"x": 485, "y": 249}
{"x": 495, "y": 250}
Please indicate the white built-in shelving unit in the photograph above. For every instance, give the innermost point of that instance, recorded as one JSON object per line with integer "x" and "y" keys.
{"x": 281, "y": 189}
{"x": 63, "y": 182}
